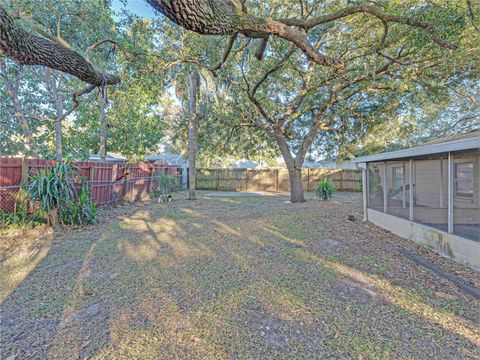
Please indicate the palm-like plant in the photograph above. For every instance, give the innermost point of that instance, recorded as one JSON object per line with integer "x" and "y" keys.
{"x": 52, "y": 189}
{"x": 325, "y": 189}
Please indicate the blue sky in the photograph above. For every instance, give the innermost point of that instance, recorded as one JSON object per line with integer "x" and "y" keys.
{"x": 137, "y": 7}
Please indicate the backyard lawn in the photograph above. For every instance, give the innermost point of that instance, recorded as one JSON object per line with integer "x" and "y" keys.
{"x": 230, "y": 277}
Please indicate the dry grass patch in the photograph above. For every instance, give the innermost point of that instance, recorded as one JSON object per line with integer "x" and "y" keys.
{"x": 228, "y": 278}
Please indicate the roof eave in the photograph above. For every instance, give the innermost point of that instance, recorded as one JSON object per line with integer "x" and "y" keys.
{"x": 456, "y": 145}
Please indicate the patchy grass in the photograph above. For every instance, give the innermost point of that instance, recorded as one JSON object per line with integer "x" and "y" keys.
{"x": 230, "y": 278}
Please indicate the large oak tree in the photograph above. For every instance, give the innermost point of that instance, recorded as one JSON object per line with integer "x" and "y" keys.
{"x": 353, "y": 49}
{"x": 368, "y": 55}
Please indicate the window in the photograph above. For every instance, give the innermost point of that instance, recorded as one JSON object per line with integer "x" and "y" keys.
{"x": 464, "y": 180}
{"x": 397, "y": 177}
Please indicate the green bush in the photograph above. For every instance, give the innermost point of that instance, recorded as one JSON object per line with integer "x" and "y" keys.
{"x": 167, "y": 185}
{"x": 165, "y": 182}
{"x": 23, "y": 215}
{"x": 55, "y": 192}
{"x": 325, "y": 189}
{"x": 81, "y": 211}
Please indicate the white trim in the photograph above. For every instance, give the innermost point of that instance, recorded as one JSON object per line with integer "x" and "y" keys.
{"x": 404, "y": 191}
{"x": 442, "y": 176}
{"x": 411, "y": 192}
{"x": 385, "y": 192}
{"x": 457, "y": 145}
{"x": 364, "y": 182}
{"x": 458, "y": 248}
{"x": 450, "y": 193}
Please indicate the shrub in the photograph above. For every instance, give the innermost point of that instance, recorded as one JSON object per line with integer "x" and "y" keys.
{"x": 167, "y": 186}
{"x": 82, "y": 210}
{"x": 54, "y": 187}
{"x": 164, "y": 181}
{"x": 23, "y": 215}
{"x": 325, "y": 189}
{"x": 54, "y": 191}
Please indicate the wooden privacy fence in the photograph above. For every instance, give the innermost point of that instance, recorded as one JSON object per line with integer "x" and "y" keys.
{"x": 275, "y": 180}
{"x": 110, "y": 183}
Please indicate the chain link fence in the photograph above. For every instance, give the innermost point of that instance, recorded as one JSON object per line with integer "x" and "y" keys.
{"x": 7, "y": 198}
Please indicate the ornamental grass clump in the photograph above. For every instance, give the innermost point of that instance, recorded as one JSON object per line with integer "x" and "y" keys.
{"x": 325, "y": 189}
{"x": 55, "y": 192}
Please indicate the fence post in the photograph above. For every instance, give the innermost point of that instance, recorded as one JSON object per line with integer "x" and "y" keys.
{"x": 276, "y": 181}
{"x": 308, "y": 180}
{"x": 90, "y": 179}
{"x": 24, "y": 170}
{"x": 114, "y": 177}
{"x": 125, "y": 183}
{"x": 341, "y": 181}
{"x": 151, "y": 174}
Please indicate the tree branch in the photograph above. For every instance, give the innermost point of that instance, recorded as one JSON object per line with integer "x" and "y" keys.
{"x": 96, "y": 45}
{"x": 366, "y": 9}
{"x": 227, "y": 17}
{"x": 270, "y": 71}
{"x": 230, "y": 42}
{"x": 472, "y": 15}
{"x": 30, "y": 49}
{"x": 261, "y": 48}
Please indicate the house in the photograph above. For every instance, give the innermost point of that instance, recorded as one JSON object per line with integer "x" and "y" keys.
{"x": 245, "y": 164}
{"x": 110, "y": 157}
{"x": 429, "y": 194}
{"x": 331, "y": 163}
{"x": 172, "y": 159}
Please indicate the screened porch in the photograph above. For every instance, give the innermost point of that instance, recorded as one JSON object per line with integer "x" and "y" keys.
{"x": 440, "y": 191}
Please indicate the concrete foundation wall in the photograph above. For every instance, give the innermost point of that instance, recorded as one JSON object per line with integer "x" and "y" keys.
{"x": 455, "y": 247}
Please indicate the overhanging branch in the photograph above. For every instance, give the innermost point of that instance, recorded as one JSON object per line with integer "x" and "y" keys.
{"x": 29, "y": 49}
{"x": 374, "y": 11}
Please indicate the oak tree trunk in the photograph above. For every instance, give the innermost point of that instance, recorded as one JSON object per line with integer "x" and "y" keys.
{"x": 58, "y": 141}
{"x": 192, "y": 133}
{"x": 296, "y": 183}
{"x": 294, "y": 166}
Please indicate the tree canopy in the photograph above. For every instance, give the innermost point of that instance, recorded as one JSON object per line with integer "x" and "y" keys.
{"x": 300, "y": 78}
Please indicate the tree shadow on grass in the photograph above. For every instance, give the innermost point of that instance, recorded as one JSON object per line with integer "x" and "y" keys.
{"x": 32, "y": 313}
{"x": 185, "y": 281}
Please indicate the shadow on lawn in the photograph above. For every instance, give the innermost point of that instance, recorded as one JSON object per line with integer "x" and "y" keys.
{"x": 32, "y": 314}
{"x": 190, "y": 281}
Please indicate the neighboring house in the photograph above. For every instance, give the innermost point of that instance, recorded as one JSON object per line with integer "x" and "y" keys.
{"x": 334, "y": 163}
{"x": 312, "y": 165}
{"x": 172, "y": 159}
{"x": 429, "y": 194}
{"x": 110, "y": 157}
{"x": 245, "y": 164}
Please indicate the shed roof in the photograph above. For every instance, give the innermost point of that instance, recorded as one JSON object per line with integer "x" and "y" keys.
{"x": 171, "y": 159}
{"x": 244, "y": 164}
{"x": 110, "y": 157}
{"x": 462, "y": 142}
